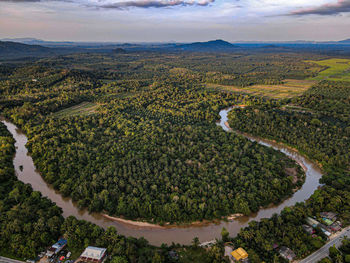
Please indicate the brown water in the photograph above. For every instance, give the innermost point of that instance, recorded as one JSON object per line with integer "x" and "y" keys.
{"x": 156, "y": 236}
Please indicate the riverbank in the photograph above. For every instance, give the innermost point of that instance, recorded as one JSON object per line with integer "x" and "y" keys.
{"x": 139, "y": 224}
{"x": 271, "y": 142}
{"x": 158, "y": 234}
{"x": 142, "y": 224}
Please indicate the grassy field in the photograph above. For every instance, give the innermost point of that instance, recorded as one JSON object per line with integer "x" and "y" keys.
{"x": 290, "y": 88}
{"x": 337, "y": 69}
{"x": 84, "y": 108}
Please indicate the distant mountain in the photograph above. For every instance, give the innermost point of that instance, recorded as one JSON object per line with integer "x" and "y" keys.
{"x": 17, "y": 50}
{"x": 214, "y": 45}
{"x": 24, "y": 40}
{"x": 345, "y": 41}
{"x": 35, "y": 41}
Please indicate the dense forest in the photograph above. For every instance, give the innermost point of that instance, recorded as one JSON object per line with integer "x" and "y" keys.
{"x": 317, "y": 124}
{"x": 148, "y": 150}
{"x": 135, "y": 135}
{"x": 29, "y": 223}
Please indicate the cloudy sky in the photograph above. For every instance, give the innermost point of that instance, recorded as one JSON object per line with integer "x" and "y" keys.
{"x": 175, "y": 20}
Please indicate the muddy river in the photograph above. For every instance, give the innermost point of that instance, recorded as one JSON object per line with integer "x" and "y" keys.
{"x": 157, "y": 236}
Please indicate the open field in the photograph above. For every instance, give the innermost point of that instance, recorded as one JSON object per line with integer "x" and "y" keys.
{"x": 290, "y": 88}
{"x": 337, "y": 69}
{"x": 84, "y": 108}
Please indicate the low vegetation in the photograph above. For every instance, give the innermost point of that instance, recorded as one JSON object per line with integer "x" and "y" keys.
{"x": 84, "y": 108}
{"x": 287, "y": 89}
{"x": 334, "y": 69}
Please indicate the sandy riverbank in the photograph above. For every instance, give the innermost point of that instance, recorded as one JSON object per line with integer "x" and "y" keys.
{"x": 140, "y": 224}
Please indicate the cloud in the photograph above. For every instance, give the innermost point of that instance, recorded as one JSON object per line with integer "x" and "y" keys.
{"x": 155, "y": 3}
{"x": 125, "y": 4}
{"x": 341, "y": 6}
{"x": 20, "y": 1}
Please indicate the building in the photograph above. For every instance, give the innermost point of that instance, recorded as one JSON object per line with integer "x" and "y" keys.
{"x": 173, "y": 255}
{"x": 325, "y": 230}
{"x": 336, "y": 226}
{"x": 287, "y": 253}
{"x": 327, "y": 221}
{"x": 308, "y": 229}
{"x": 208, "y": 243}
{"x": 312, "y": 222}
{"x": 239, "y": 254}
{"x": 93, "y": 254}
{"x": 329, "y": 215}
{"x": 56, "y": 248}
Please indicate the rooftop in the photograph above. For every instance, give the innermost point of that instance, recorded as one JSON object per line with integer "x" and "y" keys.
{"x": 239, "y": 254}
{"x": 94, "y": 252}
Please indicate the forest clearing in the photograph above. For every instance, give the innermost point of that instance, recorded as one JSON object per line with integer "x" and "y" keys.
{"x": 290, "y": 88}
{"x": 336, "y": 69}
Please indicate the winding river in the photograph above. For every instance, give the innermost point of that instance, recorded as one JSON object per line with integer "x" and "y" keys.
{"x": 157, "y": 236}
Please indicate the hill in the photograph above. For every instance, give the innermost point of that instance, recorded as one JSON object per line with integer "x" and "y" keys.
{"x": 345, "y": 41}
{"x": 213, "y": 45}
{"x": 18, "y": 50}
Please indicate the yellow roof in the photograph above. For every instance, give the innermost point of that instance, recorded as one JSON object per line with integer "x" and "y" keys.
{"x": 239, "y": 254}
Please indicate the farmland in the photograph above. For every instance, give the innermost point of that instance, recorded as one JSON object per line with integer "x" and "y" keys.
{"x": 334, "y": 69}
{"x": 84, "y": 108}
{"x": 289, "y": 88}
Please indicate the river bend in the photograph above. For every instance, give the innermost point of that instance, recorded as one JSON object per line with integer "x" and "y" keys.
{"x": 157, "y": 236}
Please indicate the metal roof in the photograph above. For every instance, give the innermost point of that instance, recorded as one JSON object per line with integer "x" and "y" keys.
{"x": 93, "y": 252}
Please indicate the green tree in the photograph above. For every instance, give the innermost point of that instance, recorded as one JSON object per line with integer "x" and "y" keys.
{"x": 195, "y": 242}
{"x": 119, "y": 259}
{"x": 224, "y": 234}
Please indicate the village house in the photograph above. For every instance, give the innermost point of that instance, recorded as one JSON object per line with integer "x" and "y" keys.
{"x": 93, "y": 255}
{"x": 56, "y": 248}
{"x": 240, "y": 255}
{"x": 325, "y": 230}
{"x": 308, "y": 229}
{"x": 336, "y": 226}
{"x": 312, "y": 222}
{"x": 329, "y": 215}
{"x": 287, "y": 253}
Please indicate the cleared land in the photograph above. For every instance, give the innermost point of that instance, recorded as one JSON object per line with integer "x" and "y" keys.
{"x": 84, "y": 108}
{"x": 290, "y": 88}
{"x": 335, "y": 69}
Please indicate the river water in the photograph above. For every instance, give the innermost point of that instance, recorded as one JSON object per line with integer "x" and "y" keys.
{"x": 157, "y": 236}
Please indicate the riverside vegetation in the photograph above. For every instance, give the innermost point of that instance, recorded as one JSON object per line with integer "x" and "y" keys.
{"x": 30, "y": 222}
{"x": 317, "y": 124}
{"x": 144, "y": 144}
{"x": 146, "y": 150}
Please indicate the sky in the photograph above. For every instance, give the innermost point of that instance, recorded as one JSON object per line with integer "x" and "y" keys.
{"x": 175, "y": 20}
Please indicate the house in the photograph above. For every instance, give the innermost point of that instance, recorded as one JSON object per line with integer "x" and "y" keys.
{"x": 287, "y": 253}
{"x": 327, "y": 221}
{"x": 329, "y": 215}
{"x": 325, "y": 230}
{"x": 312, "y": 222}
{"x": 239, "y": 255}
{"x": 208, "y": 243}
{"x": 173, "y": 255}
{"x": 336, "y": 226}
{"x": 93, "y": 254}
{"x": 308, "y": 229}
{"x": 56, "y": 248}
